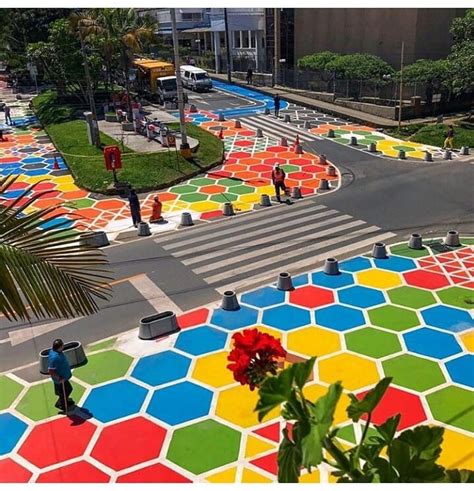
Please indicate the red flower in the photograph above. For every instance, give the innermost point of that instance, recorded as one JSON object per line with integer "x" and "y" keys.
{"x": 254, "y": 356}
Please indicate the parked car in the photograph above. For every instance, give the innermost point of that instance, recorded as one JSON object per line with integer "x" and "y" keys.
{"x": 195, "y": 78}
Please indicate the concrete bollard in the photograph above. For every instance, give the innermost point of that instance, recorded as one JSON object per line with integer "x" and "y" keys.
{"x": 94, "y": 239}
{"x": 402, "y": 155}
{"x": 428, "y": 156}
{"x": 283, "y": 141}
{"x": 331, "y": 266}
{"x": 331, "y": 171}
{"x": 379, "y": 250}
{"x": 228, "y": 210}
{"x": 186, "y": 219}
{"x": 237, "y": 124}
{"x": 287, "y": 118}
{"x": 296, "y": 193}
{"x": 323, "y": 185}
{"x": 259, "y": 133}
{"x": 307, "y": 125}
{"x": 229, "y": 301}
{"x": 298, "y": 149}
{"x": 267, "y": 111}
{"x": 464, "y": 150}
{"x": 353, "y": 141}
{"x": 285, "y": 283}
{"x": 452, "y": 239}
{"x": 265, "y": 200}
{"x": 331, "y": 133}
{"x": 221, "y": 117}
{"x": 415, "y": 242}
{"x": 193, "y": 108}
{"x": 447, "y": 155}
{"x": 372, "y": 147}
{"x": 143, "y": 229}
{"x": 323, "y": 159}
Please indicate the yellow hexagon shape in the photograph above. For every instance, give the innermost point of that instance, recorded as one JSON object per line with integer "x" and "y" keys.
{"x": 310, "y": 478}
{"x": 313, "y": 341}
{"x": 211, "y": 370}
{"x": 457, "y": 451}
{"x": 468, "y": 340}
{"x": 315, "y": 391}
{"x": 353, "y": 371}
{"x": 237, "y": 405}
{"x": 241, "y": 206}
{"x": 204, "y": 206}
{"x": 270, "y": 190}
{"x": 250, "y": 198}
{"x": 276, "y": 334}
{"x": 379, "y": 279}
{"x": 226, "y": 476}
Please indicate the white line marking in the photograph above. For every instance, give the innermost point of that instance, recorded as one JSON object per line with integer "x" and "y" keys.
{"x": 156, "y": 297}
{"x": 25, "y": 334}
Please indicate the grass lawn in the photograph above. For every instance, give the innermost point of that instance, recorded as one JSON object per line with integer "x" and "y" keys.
{"x": 145, "y": 172}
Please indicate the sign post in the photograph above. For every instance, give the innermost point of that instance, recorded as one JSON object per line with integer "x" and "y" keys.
{"x": 113, "y": 159}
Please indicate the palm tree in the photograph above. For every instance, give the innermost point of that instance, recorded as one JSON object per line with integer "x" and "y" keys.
{"x": 45, "y": 270}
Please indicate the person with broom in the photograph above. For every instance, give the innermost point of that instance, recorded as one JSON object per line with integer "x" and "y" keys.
{"x": 60, "y": 372}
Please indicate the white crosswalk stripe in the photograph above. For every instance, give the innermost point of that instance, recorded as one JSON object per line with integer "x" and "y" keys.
{"x": 276, "y": 128}
{"x": 246, "y": 250}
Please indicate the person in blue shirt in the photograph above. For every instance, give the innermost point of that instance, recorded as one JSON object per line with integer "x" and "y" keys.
{"x": 60, "y": 371}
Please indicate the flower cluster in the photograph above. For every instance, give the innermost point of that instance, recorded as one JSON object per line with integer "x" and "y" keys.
{"x": 254, "y": 356}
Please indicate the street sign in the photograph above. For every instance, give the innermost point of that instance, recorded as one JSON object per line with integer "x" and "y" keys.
{"x": 436, "y": 98}
{"x": 170, "y": 140}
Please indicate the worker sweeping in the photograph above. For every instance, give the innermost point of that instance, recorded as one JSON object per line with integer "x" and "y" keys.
{"x": 156, "y": 211}
{"x": 278, "y": 179}
{"x": 60, "y": 371}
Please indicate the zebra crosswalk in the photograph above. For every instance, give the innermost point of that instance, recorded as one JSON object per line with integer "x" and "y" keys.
{"x": 247, "y": 250}
{"x": 276, "y": 128}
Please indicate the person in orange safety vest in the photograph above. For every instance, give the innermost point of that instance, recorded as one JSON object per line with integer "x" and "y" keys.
{"x": 278, "y": 179}
{"x": 156, "y": 211}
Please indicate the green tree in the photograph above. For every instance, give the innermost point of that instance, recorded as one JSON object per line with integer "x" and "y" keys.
{"x": 45, "y": 271}
{"x": 424, "y": 70}
{"x": 317, "y": 61}
{"x": 360, "y": 66}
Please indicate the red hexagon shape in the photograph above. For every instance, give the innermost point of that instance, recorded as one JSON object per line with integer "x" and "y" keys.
{"x": 80, "y": 471}
{"x": 311, "y": 296}
{"x": 57, "y": 441}
{"x": 396, "y": 401}
{"x": 156, "y": 473}
{"x": 12, "y": 472}
{"x": 193, "y": 318}
{"x": 426, "y": 279}
{"x": 128, "y": 443}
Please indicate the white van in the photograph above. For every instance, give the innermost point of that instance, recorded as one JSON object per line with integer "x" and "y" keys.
{"x": 195, "y": 78}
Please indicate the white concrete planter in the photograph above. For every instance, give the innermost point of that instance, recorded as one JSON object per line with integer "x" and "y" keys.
{"x": 157, "y": 325}
{"x": 111, "y": 118}
{"x": 74, "y": 352}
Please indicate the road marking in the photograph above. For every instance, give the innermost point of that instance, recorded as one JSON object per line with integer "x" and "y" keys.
{"x": 25, "y": 334}
{"x": 155, "y": 296}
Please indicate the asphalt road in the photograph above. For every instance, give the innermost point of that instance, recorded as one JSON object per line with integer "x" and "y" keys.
{"x": 398, "y": 197}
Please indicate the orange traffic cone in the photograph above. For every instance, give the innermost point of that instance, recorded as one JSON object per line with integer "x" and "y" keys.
{"x": 297, "y": 141}
{"x": 55, "y": 164}
{"x": 221, "y": 134}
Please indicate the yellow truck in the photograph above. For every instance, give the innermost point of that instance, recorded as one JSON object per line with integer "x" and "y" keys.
{"x": 156, "y": 78}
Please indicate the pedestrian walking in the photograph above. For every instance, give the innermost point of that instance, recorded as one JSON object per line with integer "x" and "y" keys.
{"x": 278, "y": 179}
{"x": 249, "y": 76}
{"x": 276, "y": 103}
{"x": 449, "y": 142}
{"x": 8, "y": 118}
{"x": 60, "y": 372}
{"x": 134, "y": 207}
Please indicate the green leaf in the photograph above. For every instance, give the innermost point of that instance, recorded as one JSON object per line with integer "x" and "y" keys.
{"x": 459, "y": 475}
{"x": 366, "y": 405}
{"x": 274, "y": 391}
{"x": 425, "y": 441}
{"x": 289, "y": 460}
{"x": 303, "y": 371}
{"x": 388, "y": 429}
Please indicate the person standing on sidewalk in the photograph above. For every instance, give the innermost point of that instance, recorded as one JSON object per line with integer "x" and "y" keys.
{"x": 449, "y": 142}
{"x": 249, "y": 76}
{"x": 8, "y": 118}
{"x": 278, "y": 179}
{"x": 276, "y": 103}
{"x": 134, "y": 207}
{"x": 60, "y": 371}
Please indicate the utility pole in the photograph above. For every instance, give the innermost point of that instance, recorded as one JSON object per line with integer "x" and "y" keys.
{"x": 184, "y": 147}
{"x": 227, "y": 47}
{"x": 401, "y": 87}
{"x": 276, "y": 40}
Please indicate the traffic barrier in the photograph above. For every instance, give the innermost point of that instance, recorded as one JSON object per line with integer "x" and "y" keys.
{"x": 259, "y": 133}
{"x": 372, "y": 147}
{"x": 186, "y": 219}
{"x": 221, "y": 117}
{"x": 379, "y": 250}
{"x": 415, "y": 242}
{"x": 143, "y": 229}
{"x": 402, "y": 154}
{"x": 353, "y": 141}
{"x": 228, "y": 210}
{"x": 296, "y": 193}
{"x": 237, "y": 124}
{"x": 307, "y": 125}
{"x": 447, "y": 155}
{"x": 284, "y": 282}
{"x": 452, "y": 239}
{"x": 464, "y": 150}
{"x": 229, "y": 301}
{"x": 298, "y": 149}
{"x": 265, "y": 200}
{"x": 287, "y": 118}
{"x": 323, "y": 185}
{"x": 331, "y": 171}
{"x": 283, "y": 141}
{"x": 193, "y": 108}
{"x": 331, "y": 266}
{"x": 428, "y": 156}
{"x": 323, "y": 159}
{"x": 331, "y": 133}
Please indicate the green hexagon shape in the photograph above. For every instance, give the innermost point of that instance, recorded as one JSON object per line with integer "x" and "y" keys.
{"x": 229, "y": 182}
{"x": 104, "y": 366}
{"x": 9, "y": 391}
{"x": 223, "y": 198}
{"x": 372, "y": 342}
{"x": 413, "y": 372}
{"x": 453, "y": 406}
{"x": 39, "y": 400}
{"x": 404, "y": 250}
{"x": 457, "y": 297}
{"x": 202, "y": 181}
{"x": 183, "y": 189}
{"x": 290, "y": 168}
{"x": 204, "y": 446}
{"x": 193, "y": 197}
{"x": 82, "y": 203}
{"x": 243, "y": 189}
{"x": 393, "y": 318}
{"x": 409, "y": 296}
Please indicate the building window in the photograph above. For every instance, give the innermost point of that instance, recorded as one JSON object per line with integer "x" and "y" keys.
{"x": 191, "y": 17}
{"x": 245, "y": 39}
{"x": 237, "y": 39}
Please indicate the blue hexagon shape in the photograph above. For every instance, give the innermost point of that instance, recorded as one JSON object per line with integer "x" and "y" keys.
{"x": 461, "y": 370}
{"x": 361, "y": 296}
{"x": 356, "y": 264}
{"x": 395, "y": 263}
{"x": 448, "y": 318}
{"x": 179, "y": 403}
{"x": 300, "y": 280}
{"x": 332, "y": 281}
{"x": 115, "y": 400}
{"x": 161, "y": 368}
{"x": 339, "y": 317}
{"x": 264, "y": 297}
{"x": 11, "y": 430}
{"x": 286, "y": 317}
{"x": 234, "y": 319}
{"x": 430, "y": 342}
{"x": 201, "y": 340}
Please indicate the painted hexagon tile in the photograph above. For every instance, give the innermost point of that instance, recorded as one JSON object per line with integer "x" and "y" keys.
{"x": 340, "y": 317}
{"x": 264, "y": 297}
{"x": 361, "y": 296}
{"x": 460, "y": 410}
{"x": 372, "y": 342}
{"x": 9, "y": 391}
{"x": 432, "y": 343}
{"x": 457, "y": 296}
{"x": 12, "y": 472}
{"x": 286, "y": 317}
{"x": 448, "y": 318}
{"x": 408, "y": 296}
{"x": 313, "y": 341}
{"x": 77, "y": 472}
{"x": 393, "y": 318}
{"x": 461, "y": 370}
{"x": 212, "y": 370}
{"x": 200, "y": 340}
{"x": 11, "y": 430}
{"x": 102, "y": 367}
